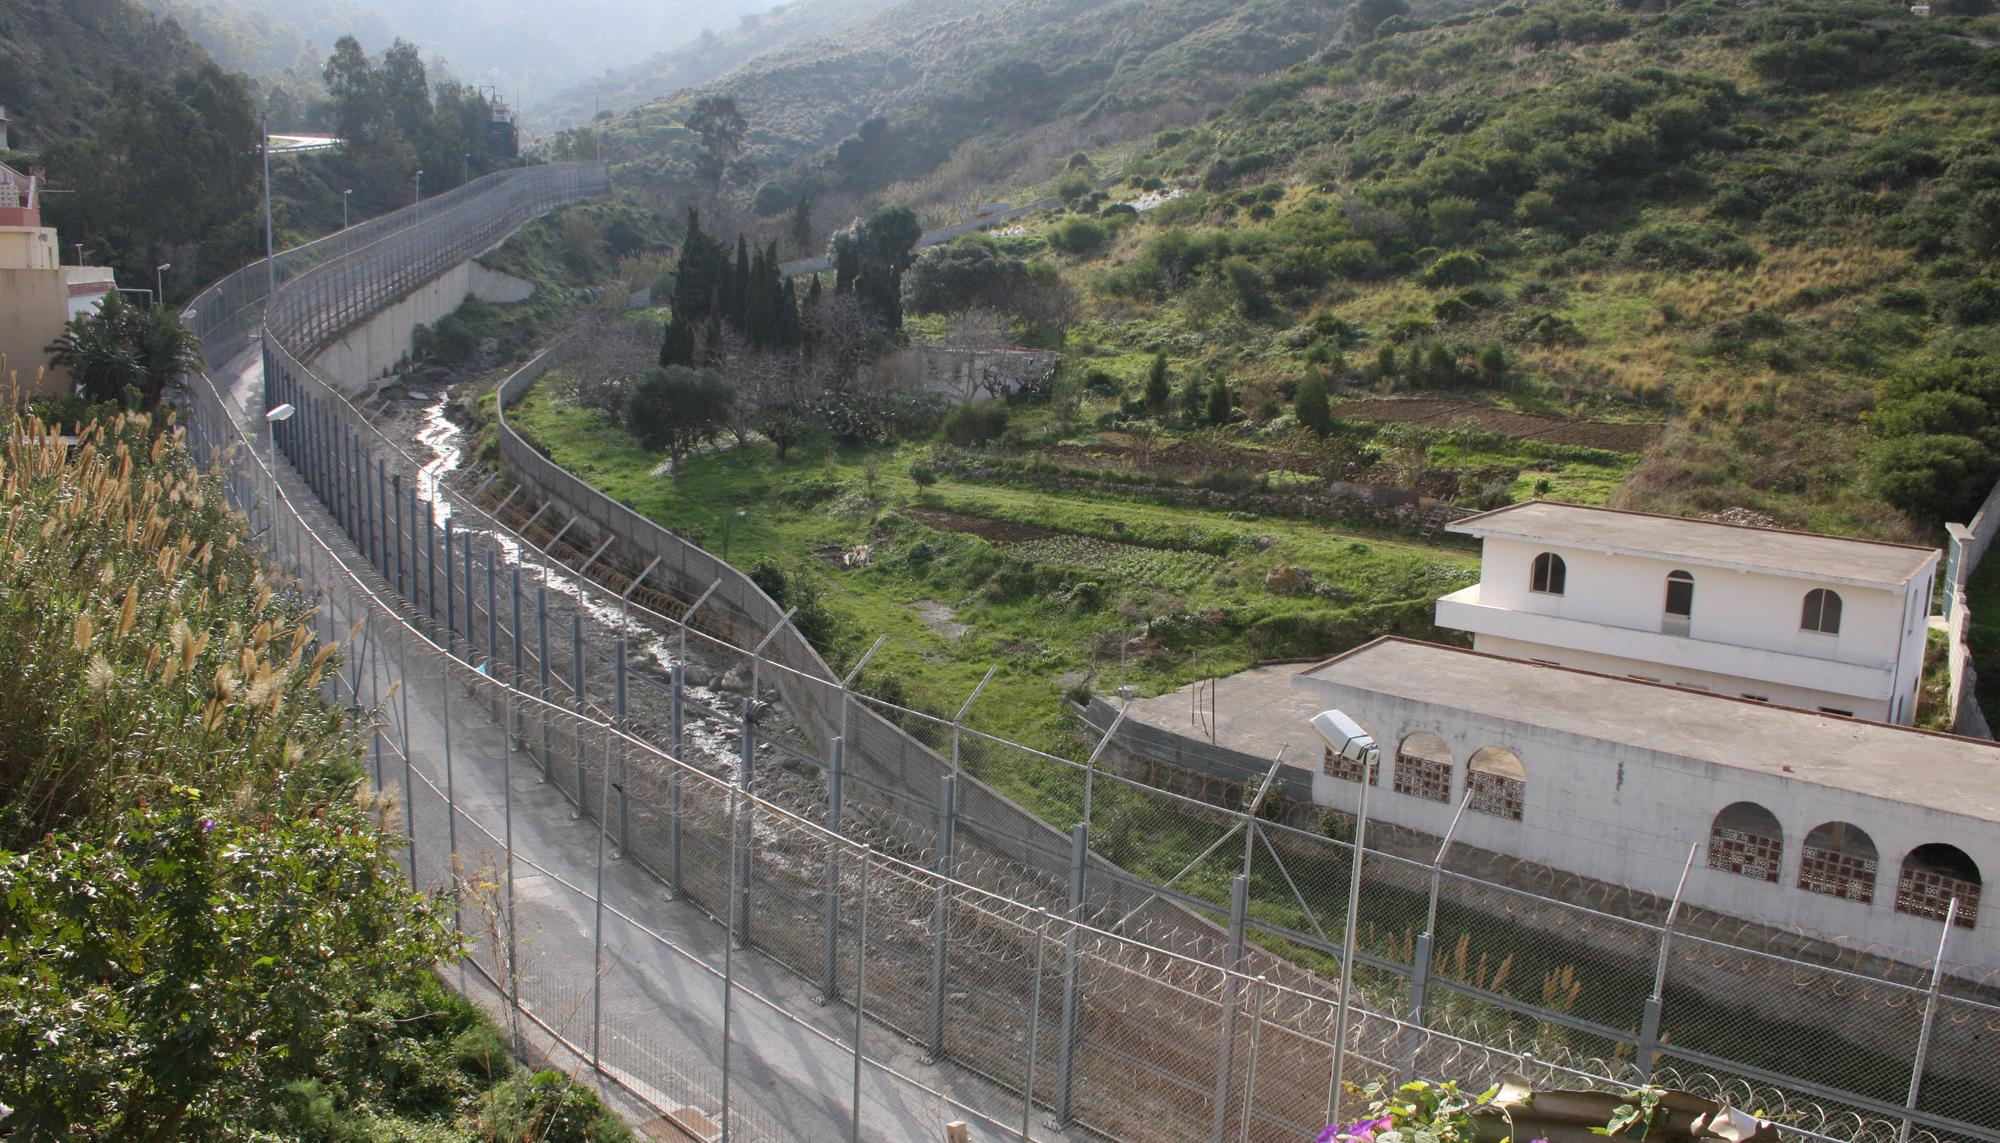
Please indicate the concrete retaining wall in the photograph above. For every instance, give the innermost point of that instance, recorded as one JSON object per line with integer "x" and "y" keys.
{"x": 371, "y": 351}
{"x": 1968, "y": 546}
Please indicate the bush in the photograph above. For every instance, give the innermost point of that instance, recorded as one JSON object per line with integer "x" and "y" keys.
{"x": 971, "y": 425}
{"x": 549, "y": 1107}
{"x": 1459, "y": 268}
{"x": 1934, "y": 477}
{"x": 1079, "y": 236}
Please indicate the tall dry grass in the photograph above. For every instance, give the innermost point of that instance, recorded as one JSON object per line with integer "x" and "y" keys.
{"x": 143, "y": 644}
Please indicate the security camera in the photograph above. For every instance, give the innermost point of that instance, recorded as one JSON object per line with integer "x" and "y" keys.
{"x": 1343, "y": 735}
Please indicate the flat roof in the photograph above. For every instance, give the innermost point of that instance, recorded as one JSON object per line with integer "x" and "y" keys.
{"x": 1805, "y": 555}
{"x": 1942, "y": 772}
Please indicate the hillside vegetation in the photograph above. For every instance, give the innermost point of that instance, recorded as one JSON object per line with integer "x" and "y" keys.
{"x": 60, "y": 61}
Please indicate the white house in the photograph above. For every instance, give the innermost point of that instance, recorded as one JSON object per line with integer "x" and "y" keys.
{"x": 1835, "y": 826}
{"x": 1817, "y": 622}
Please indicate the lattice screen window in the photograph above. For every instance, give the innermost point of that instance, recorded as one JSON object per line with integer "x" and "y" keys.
{"x": 1423, "y": 778}
{"x": 1497, "y": 794}
{"x": 1337, "y": 765}
{"x": 1836, "y": 874}
{"x": 1927, "y": 893}
{"x": 1741, "y": 852}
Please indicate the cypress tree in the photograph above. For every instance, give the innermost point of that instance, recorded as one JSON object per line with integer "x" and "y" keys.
{"x": 1157, "y": 392}
{"x": 788, "y": 315}
{"x": 802, "y": 226}
{"x": 738, "y": 298}
{"x": 1385, "y": 362}
{"x": 711, "y": 350}
{"x": 1192, "y": 397}
{"x": 1310, "y": 404}
{"x": 846, "y": 262}
{"x": 1218, "y": 403}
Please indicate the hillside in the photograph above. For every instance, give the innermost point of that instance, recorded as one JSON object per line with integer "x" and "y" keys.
{"x": 59, "y": 60}
{"x": 1033, "y": 78}
{"x": 1730, "y": 228}
{"x": 714, "y": 53}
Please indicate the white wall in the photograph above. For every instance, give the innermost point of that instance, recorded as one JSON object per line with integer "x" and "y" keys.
{"x": 1805, "y": 698}
{"x": 1879, "y": 629}
{"x": 1629, "y": 816}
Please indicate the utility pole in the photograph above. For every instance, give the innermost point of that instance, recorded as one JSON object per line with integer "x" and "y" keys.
{"x": 345, "y": 196}
{"x": 270, "y": 267}
{"x": 420, "y": 184}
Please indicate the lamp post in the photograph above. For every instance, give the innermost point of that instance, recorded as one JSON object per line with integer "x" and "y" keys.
{"x": 160, "y": 281}
{"x": 344, "y": 197}
{"x": 1346, "y": 737}
{"x": 465, "y": 168}
{"x": 273, "y": 418}
{"x": 79, "y": 253}
{"x": 729, "y": 530}
{"x": 420, "y": 184}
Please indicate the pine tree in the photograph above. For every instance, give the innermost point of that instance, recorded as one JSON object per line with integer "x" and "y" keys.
{"x": 1157, "y": 392}
{"x": 802, "y": 225}
{"x": 1192, "y": 397}
{"x": 1492, "y": 363}
{"x": 846, "y": 262}
{"x": 1310, "y": 406}
{"x": 1440, "y": 367}
{"x": 738, "y": 297}
{"x": 711, "y": 349}
{"x": 1385, "y": 362}
{"x": 1219, "y": 407}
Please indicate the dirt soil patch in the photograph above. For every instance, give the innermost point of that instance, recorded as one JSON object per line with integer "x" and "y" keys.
{"x": 940, "y": 618}
{"x": 1448, "y": 414}
{"x": 985, "y": 527}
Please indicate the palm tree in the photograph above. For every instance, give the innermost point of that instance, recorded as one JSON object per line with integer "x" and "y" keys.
{"x": 126, "y": 354}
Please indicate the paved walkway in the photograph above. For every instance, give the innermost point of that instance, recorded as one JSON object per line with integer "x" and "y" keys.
{"x": 1254, "y": 711}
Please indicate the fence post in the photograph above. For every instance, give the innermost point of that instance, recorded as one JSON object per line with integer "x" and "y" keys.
{"x": 450, "y": 594}
{"x": 674, "y": 787}
{"x": 1225, "y": 1054}
{"x": 731, "y": 920}
{"x": 451, "y": 809}
{"x": 401, "y": 587}
{"x": 514, "y": 595}
{"x": 576, "y": 685}
{"x": 1079, "y": 846}
{"x": 958, "y": 721}
{"x": 492, "y": 619}
{"x": 860, "y": 989}
{"x": 1923, "y": 1056}
{"x": 618, "y": 709}
{"x": 1250, "y": 1066}
{"x": 739, "y": 845}
{"x": 381, "y": 524}
{"x": 430, "y": 558}
{"x": 1034, "y": 1028}
{"x": 835, "y": 794}
{"x": 1370, "y": 766}
{"x": 941, "y": 911}
{"x": 597, "y": 901}
{"x": 542, "y": 674}
{"x": 1649, "y": 1025}
{"x": 465, "y": 551}
{"x": 1420, "y": 962}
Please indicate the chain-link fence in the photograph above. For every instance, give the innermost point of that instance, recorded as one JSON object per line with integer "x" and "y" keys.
{"x": 700, "y": 866}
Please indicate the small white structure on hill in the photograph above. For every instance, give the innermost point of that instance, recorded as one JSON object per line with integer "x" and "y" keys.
{"x": 1817, "y": 622}
{"x": 1839, "y": 827}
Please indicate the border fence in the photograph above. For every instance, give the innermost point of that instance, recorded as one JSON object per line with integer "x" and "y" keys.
{"x": 1162, "y": 970}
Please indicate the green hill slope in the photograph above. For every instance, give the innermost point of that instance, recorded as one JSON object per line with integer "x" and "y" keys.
{"x": 60, "y": 58}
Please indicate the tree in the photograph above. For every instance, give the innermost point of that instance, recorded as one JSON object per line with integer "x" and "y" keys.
{"x": 126, "y": 354}
{"x": 1310, "y": 404}
{"x": 678, "y": 409}
{"x": 886, "y": 246}
{"x": 1385, "y": 362}
{"x": 1192, "y": 397}
{"x": 802, "y": 225}
{"x": 1219, "y": 407}
{"x": 719, "y": 129}
{"x": 1934, "y": 476}
{"x": 1157, "y": 392}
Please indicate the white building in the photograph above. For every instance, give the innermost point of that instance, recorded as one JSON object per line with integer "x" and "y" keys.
{"x": 1817, "y": 622}
{"x": 1838, "y": 827}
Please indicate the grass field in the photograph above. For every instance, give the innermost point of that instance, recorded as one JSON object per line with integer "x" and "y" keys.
{"x": 1058, "y": 590}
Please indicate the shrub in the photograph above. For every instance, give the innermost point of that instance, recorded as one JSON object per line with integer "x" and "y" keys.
{"x": 1311, "y": 405}
{"x": 549, "y": 1107}
{"x": 1934, "y": 477}
{"x": 971, "y": 425}
{"x": 1459, "y": 268}
{"x": 1079, "y": 236}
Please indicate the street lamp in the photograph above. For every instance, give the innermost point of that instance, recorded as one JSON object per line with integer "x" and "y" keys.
{"x": 1345, "y": 737}
{"x": 79, "y": 253}
{"x": 275, "y": 417}
{"x": 420, "y": 184}
{"x": 344, "y": 197}
{"x": 160, "y": 281}
{"x": 465, "y": 167}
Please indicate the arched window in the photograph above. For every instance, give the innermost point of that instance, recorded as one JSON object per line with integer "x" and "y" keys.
{"x": 1497, "y": 781}
{"x": 1747, "y": 840}
{"x": 1838, "y": 859}
{"x": 1821, "y": 612}
{"x": 1423, "y": 767}
{"x": 1548, "y": 575}
{"x": 1680, "y": 603}
{"x": 1338, "y": 765}
{"x": 1932, "y": 875}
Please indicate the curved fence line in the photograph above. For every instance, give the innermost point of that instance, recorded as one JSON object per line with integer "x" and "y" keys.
{"x": 1152, "y": 1031}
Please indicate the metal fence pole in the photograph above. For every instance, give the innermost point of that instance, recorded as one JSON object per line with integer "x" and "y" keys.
{"x": 465, "y": 553}
{"x": 729, "y": 942}
{"x": 492, "y": 619}
{"x": 1034, "y": 1028}
{"x": 401, "y": 586}
{"x": 1250, "y": 1067}
{"x": 1225, "y": 1054}
{"x": 451, "y": 809}
{"x": 507, "y": 843}
{"x": 860, "y": 988}
{"x": 740, "y": 847}
{"x": 958, "y": 721}
{"x": 941, "y": 910}
{"x": 1079, "y": 848}
{"x": 1090, "y": 764}
{"x": 835, "y": 793}
{"x": 675, "y": 677}
{"x": 542, "y": 675}
{"x": 576, "y": 685}
{"x": 1338, "y": 1078}
{"x": 597, "y": 921}
{"x": 1930, "y": 1022}
{"x": 1420, "y": 961}
{"x": 1649, "y": 1025}
{"x": 618, "y": 709}
{"x": 450, "y": 595}
{"x": 430, "y": 558}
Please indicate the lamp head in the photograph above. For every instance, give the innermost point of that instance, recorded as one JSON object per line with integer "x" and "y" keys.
{"x": 281, "y": 413}
{"x": 1343, "y": 735}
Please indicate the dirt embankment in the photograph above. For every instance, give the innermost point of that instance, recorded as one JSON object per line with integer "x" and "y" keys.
{"x": 1442, "y": 413}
